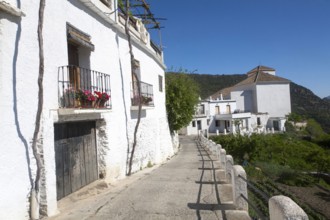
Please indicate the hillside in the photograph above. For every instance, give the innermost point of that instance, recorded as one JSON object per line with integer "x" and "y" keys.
{"x": 303, "y": 101}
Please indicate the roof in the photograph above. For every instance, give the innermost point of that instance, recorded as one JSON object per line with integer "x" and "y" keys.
{"x": 260, "y": 68}
{"x": 261, "y": 76}
{"x": 225, "y": 93}
{"x": 256, "y": 75}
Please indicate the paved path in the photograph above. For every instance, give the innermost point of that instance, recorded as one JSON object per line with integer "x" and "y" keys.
{"x": 186, "y": 187}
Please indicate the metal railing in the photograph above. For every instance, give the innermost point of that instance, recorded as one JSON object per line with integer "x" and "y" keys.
{"x": 155, "y": 48}
{"x": 255, "y": 190}
{"x": 147, "y": 95}
{"x": 83, "y": 88}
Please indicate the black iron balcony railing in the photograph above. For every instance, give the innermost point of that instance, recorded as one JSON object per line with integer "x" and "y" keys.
{"x": 147, "y": 95}
{"x": 155, "y": 48}
{"x": 83, "y": 88}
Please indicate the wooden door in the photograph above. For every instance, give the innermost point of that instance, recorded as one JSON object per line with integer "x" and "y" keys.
{"x": 75, "y": 156}
{"x": 217, "y": 110}
{"x": 228, "y": 110}
{"x": 74, "y": 71}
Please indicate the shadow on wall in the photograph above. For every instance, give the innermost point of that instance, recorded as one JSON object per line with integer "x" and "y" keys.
{"x": 134, "y": 114}
{"x": 124, "y": 103}
{"x": 17, "y": 20}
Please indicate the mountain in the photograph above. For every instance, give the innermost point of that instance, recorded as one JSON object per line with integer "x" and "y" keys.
{"x": 327, "y": 98}
{"x": 303, "y": 101}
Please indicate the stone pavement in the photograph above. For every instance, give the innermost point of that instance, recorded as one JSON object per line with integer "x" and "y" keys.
{"x": 189, "y": 186}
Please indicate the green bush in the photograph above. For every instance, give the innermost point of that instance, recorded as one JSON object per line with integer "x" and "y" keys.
{"x": 276, "y": 150}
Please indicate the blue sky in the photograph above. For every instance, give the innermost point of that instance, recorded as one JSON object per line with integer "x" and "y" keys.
{"x": 234, "y": 36}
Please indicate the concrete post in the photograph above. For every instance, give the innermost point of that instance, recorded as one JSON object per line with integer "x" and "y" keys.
{"x": 229, "y": 168}
{"x": 239, "y": 187}
{"x": 283, "y": 208}
{"x": 218, "y": 151}
{"x": 223, "y": 159}
{"x": 217, "y": 132}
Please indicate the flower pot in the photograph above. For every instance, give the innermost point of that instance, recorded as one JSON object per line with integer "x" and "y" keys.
{"x": 77, "y": 103}
{"x": 101, "y": 103}
{"x": 87, "y": 104}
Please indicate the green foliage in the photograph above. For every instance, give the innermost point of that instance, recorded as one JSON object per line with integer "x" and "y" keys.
{"x": 305, "y": 102}
{"x": 210, "y": 84}
{"x": 294, "y": 117}
{"x": 314, "y": 129}
{"x": 282, "y": 152}
{"x": 149, "y": 165}
{"x": 182, "y": 95}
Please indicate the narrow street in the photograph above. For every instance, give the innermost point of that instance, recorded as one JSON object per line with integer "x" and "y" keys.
{"x": 185, "y": 187}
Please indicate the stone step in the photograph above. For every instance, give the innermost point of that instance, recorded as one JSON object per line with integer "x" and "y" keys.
{"x": 220, "y": 175}
{"x": 237, "y": 215}
{"x": 225, "y": 193}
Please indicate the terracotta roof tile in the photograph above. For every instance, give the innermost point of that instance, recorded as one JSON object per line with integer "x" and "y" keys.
{"x": 255, "y": 75}
{"x": 260, "y": 68}
{"x": 225, "y": 93}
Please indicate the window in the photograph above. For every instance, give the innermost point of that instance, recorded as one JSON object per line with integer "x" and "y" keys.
{"x": 199, "y": 125}
{"x": 160, "y": 83}
{"x": 136, "y": 76}
{"x": 227, "y": 124}
{"x": 258, "y": 121}
{"x": 217, "y": 123}
{"x": 208, "y": 121}
{"x": 202, "y": 109}
{"x": 79, "y": 50}
{"x": 217, "y": 110}
{"x": 194, "y": 123}
{"x": 228, "y": 111}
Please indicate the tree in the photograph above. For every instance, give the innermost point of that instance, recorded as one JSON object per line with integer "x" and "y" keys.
{"x": 133, "y": 66}
{"x": 35, "y": 197}
{"x": 182, "y": 94}
{"x": 314, "y": 129}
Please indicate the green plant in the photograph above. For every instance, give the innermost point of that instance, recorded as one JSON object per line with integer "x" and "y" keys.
{"x": 149, "y": 165}
{"x": 181, "y": 99}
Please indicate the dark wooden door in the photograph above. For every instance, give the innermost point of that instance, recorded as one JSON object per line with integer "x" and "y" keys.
{"x": 75, "y": 155}
{"x": 74, "y": 71}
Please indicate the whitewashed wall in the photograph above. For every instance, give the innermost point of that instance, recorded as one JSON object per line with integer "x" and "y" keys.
{"x": 274, "y": 99}
{"x": 245, "y": 97}
{"x": 17, "y": 121}
{"x": 19, "y": 64}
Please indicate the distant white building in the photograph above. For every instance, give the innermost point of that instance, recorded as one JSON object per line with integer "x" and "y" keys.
{"x": 85, "y": 48}
{"x": 259, "y": 103}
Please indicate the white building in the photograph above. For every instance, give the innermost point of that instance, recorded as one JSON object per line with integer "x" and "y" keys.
{"x": 85, "y": 47}
{"x": 256, "y": 104}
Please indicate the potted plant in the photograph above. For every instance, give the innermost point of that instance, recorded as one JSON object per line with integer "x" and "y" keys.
{"x": 145, "y": 100}
{"x": 86, "y": 98}
{"x": 102, "y": 98}
{"x": 69, "y": 98}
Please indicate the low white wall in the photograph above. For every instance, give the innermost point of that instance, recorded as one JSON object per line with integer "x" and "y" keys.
{"x": 283, "y": 208}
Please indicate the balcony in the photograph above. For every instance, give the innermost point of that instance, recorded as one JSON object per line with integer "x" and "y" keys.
{"x": 200, "y": 112}
{"x": 234, "y": 115}
{"x": 147, "y": 95}
{"x": 81, "y": 88}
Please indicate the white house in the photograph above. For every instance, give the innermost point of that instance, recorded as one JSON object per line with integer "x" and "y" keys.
{"x": 85, "y": 48}
{"x": 256, "y": 104}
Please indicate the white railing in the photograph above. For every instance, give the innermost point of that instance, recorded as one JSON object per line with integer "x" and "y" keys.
{"x": 280, "y": 207}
